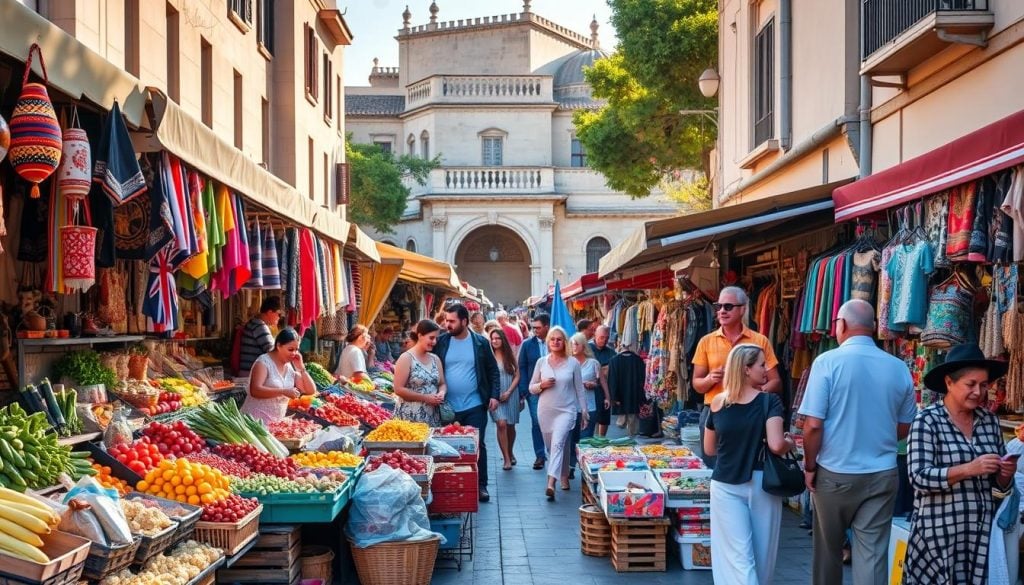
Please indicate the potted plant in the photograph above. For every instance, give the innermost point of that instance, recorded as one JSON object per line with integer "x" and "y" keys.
{"x": 85, "y": 370}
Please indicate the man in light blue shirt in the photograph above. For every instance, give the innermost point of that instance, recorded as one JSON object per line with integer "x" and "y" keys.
{"x": 859, "y": 403}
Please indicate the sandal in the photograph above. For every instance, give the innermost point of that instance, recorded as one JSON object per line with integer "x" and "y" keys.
{"x": 514, "y": 461}
{"x": 507, "y": 467}
{"x": 565, "y": 486}
{"x": 550, "y": 493}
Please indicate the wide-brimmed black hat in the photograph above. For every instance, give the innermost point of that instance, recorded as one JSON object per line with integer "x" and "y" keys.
{"x": 965, "y": 355}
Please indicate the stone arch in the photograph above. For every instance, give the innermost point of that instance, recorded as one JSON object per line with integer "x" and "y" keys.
{"x": 524, "y": 233}
{"x": 410, "y": 244}
{"x": 497, "y": 259}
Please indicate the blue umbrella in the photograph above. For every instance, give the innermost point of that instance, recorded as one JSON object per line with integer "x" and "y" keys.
{"x": 560, "y": 313}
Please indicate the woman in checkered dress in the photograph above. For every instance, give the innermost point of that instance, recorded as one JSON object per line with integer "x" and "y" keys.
{"x": 959, "y": 478}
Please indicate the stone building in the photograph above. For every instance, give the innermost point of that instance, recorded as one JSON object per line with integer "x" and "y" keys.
{"x": 513, "y": 205}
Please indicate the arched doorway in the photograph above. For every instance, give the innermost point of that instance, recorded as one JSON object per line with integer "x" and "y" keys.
{"x": 497, "y": 260}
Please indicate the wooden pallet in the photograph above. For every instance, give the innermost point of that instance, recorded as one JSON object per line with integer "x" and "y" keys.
{"x": 638, "y": 545}
{"x": 587, "y": 493}
{"x": 274, "y": 559}
{"x": 595, "y": 532}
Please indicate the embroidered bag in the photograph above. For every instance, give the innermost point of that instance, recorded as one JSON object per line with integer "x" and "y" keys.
{"x": 949, "y": 313}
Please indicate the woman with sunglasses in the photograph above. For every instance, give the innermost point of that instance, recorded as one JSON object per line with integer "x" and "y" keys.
{"x": 558, "y": 381}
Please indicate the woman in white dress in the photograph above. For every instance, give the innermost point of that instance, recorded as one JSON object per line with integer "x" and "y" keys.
{"x": 276, "y": 377}
{"x": 559, "y": 382}
{"x": 596, "y": 390}
{"x": 352, "y": 363}
{"x": 419, "y": 378}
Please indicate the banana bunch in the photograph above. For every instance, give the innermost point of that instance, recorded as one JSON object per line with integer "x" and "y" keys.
{"x": 23, "y": 522}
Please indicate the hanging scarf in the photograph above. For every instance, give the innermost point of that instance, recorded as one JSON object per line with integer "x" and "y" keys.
{"x": 330, "y": 301}
{"x": 283, "y": 258}
{"x": 161, "y": 224}
{"x": 321, "y": 275}
{"x": 340, "y": 290}
{"x": 310, "y": 303}
{"x": 116, "y": 169}
{"x": 198, "y": 265}
{"x": 255, "y": 256}
{"x": 58, "y": 216}
{"x": 271, "y": 274}
{"x": 293, "y": 268}
{"x": 183, "y": 242}
{"x": 214, "y": 230}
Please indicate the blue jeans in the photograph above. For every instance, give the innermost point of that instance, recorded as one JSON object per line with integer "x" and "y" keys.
{"x": 477, "y": 417}
{"x": 538, "y": 438}
{"x": 578, "y": 434}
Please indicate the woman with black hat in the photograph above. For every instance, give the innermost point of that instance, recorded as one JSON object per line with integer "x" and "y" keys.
{"x": 958, "y": 470}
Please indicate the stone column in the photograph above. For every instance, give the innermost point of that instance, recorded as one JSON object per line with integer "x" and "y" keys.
{"x": 547, "y": 255}
{"x": 536, "y": 281}
{"x": 440, "y": 248}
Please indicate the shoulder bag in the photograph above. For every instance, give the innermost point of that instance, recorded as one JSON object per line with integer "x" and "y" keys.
{"x": 782, "y": 476}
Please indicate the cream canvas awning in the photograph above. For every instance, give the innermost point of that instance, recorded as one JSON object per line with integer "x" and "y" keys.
{"x": 183, "y": 136}
{"x": 71, "y": 67}
{"x": 422, "y": 269}
{"x": 363, "y": 244}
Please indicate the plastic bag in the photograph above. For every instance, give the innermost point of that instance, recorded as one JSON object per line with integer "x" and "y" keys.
{"x": 105, "y": 507}
{"x": 387, "y": 507}
{"x": 334, "y": 439}
{"x": 80, "y": 520}
{"x": 441, "y": 449}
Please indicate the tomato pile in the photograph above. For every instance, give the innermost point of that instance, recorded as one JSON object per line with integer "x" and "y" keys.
{"x": 168, "y": 402}
{"x": 398, "y": 460}
{"x": 455, "y": 429}
{"x": 292, "y": 428}
{"x": 225, "y": 466}
{"x": 335, "y": 415}
{"x": 258, "y": 462}
{"x": 231, "y": 510}
{"x": 174, "y": 439}
{"x": 371, "y": 414}
{"x": 140, "y": 456}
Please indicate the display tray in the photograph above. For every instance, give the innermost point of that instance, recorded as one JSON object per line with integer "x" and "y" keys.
{"x": 67, "y": 554}
{"x": 186, "y": 514}
{"x": 465, "y": 444}
{"x": 154, "y": 545}
{"x": 117, "y": 469}
{"x": 418, "y": 477}
{"x": 104, "y": 560}
{"x": 410, "y": 447}
{"x": 685, "y": 497}
{"x": 230, "y": 537}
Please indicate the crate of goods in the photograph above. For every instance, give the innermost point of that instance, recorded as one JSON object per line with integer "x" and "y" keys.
{"x": 454, "y": 489}
{"x": 376, "y": 565}
{"x": 396, "y": 460}
{"x": 316, "y": 564}
{"x": 274, "y": 559}
{"x": 595, "y": 532}
{"x": 638, "y": 545}
{"x": 448, "y": 526}
{"x": 186, "y": 515}
{"x": 694, "y": 552}
{"x": 155, "y": 544}
{"x": 67, "y": 554}
{"x": 465, "y": 440}
{"x": 693, "y": 528}
{"x": 686, "y": 488}
{"x": 631, "y": 494}
{"x": 230, "y": 537}
{"x": 398, "y": 435}
{"x": 292, "y": 508}
{"x": 104, "y": 560}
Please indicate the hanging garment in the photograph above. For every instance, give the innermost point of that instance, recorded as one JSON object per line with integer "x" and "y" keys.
{"x": 962, "y": 205}
{"x": 131, "y": 226}
{"x": 310, "y": 306}
{"x": 321, "y": 276}
{"x": 117, "y": 169}
{"x": 1000, "y": 242}
{"x": 198, "y": 265}
{"x": 255, "y": 255}
{"x": 214, "y": 229}
{"x": 161, "y": 302}
{"x": 977, "y": 249}
{"x": 291, "y": 259}
{"x": 161, "y": 230}
{"x": 1013, "y": 206}
{"x": 885, "y": 294}
{"x": 340, "y": 286}
{"x": 271, "y": 273}
{"x": 58, "y": 216}
{"x": 864, "y": 275}
{"x": 242, "y": 272}
{"x": 949, "y": 315}
{"x": 626, "y": 382}
{"x": 909, "y": 269}
{"x": 936, "y": 214}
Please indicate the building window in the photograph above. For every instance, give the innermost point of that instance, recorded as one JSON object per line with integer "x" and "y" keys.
{"x": 410, "y": 144}
{"x": 206, "y": 81}
{"x": 425, "y": 144}
{"x": 239, "y": 110}
{"x": 578, "y": 156}
{"x": 312, "y": 64}
{"x": 327, "y": 183}
{"x": 131, "y": 37}
{"x": 337, "y": 96}
{"x": 173, "y": 54}
{"x": 240, "y": 12}
{"x": 384, "y": 145}
{"x": 491, "y": 147}
{"x": 764, "y": 83}
{"x": 410, "y": 245}
{"x": 596, "y": 248}
{"x": 328, "y": 88}
{"x": 265, "y": 28}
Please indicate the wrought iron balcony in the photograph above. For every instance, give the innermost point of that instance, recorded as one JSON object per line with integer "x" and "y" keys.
{"x": 897, "y": 35}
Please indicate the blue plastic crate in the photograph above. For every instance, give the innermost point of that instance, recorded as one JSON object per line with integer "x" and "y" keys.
{"x": 450, "y": 528}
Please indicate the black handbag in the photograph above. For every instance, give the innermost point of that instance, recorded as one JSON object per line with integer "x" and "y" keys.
{"x": 782, "y": 476}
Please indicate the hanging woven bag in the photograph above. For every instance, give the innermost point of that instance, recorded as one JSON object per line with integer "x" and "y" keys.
{"x": 5, "y": 138}
{"x": 74, "y": 177}
{"x": 35, "y": 133}
{"x": 78, "y": 247}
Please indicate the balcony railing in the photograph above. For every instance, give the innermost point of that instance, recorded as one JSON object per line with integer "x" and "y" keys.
{"x": 486, "y": 180}
{"x": 480, "y": 89}
{"x": 885, "y": 20}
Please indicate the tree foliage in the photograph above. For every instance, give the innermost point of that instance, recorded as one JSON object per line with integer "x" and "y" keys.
{"x": 639, "y": 137}
{"x": 378, "y": 195}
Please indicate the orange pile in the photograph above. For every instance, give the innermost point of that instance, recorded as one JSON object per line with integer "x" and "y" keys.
{"x": 186, "y": 482}
{"x": 109, "y": 481}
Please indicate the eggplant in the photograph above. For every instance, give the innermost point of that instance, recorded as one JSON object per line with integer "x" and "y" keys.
{"x": 56, "y": 414}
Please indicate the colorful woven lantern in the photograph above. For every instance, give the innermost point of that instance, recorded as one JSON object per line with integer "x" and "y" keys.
{"x": 74, "y": 177}
{"x": 35, "y": 133}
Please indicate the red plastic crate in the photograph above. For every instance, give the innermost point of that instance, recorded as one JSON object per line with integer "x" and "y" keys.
{"x": 455, "y": 481}
{"x": 454, "y": 502}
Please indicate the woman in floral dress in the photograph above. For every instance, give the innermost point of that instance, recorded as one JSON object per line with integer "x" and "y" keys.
{"x": 419, "y": 378}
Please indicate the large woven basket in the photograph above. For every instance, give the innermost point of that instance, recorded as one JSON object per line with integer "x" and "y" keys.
{"x": 316, "y": 563}
{"x": 396, "y": 563}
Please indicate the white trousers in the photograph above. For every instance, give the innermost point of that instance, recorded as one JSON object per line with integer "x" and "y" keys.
{"x": 556, "y": 431}
{"x": 745, "y": 523}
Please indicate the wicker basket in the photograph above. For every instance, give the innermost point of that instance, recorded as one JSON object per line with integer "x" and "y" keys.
{"x": 103, "y": 560}
{"x": 156, "y": 544}
{"x": 316, "y": 563}
{"x": 595, "y": 533}
{"x": 379, "y": 564}
{"x": 230, "y": 538}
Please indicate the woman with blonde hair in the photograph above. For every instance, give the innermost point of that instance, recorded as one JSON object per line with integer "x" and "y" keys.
{"x": 558, "y": 381}
{"x": 595, "y": 387}
{"x": 745, "y": 519}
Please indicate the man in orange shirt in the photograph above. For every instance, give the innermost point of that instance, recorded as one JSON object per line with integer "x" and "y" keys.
{"x": 713, "y": 349}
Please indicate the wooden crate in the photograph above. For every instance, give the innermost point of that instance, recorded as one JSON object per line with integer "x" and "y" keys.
{"x": 595, "y": 532}
{"x": 638, "y": 545}
{"x": 274, "y": 558}
{"x": 587, "y": 493}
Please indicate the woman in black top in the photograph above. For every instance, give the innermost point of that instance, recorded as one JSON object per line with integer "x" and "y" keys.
{"x": 745, "y": 519}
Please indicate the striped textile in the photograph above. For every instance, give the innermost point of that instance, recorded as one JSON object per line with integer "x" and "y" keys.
{"x": 271, "y": 274}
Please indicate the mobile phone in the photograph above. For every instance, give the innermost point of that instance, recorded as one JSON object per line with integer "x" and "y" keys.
{"x": 1011, "y": 457}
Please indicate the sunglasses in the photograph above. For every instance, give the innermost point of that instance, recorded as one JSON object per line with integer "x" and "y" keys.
{"x": 725, "y": 306}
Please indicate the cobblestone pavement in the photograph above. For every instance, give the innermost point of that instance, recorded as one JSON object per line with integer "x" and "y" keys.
{"x": 522, "y": 539}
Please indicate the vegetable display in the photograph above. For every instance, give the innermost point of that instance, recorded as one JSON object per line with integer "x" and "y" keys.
{"x": 187, "y": 482}
{"x": 31, "y": 457}
{"x": 85, "y": 368}
{"x": 143, "y": 519}
{"x": 258, "y": 462}
{"x": 369, "y": 413}
{"x": 23, "y": 522}
{"x": 223, "y": 422}
{"x": 180, "y": 567}
{"x": 399, "y": 431}
{"x": 335, "y": 415}
{"x": 293, "y": 428}
{"x": 263, "y": 485}
{"x": 225, "y": 466}
{"x": 321, "y": 377}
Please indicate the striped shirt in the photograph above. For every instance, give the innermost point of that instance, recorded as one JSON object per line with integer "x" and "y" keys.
{"x": 256, "y": 341}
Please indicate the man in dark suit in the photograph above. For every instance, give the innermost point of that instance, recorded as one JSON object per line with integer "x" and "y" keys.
{"x": 471, "y": 373}
{"x": 531, "y": 351}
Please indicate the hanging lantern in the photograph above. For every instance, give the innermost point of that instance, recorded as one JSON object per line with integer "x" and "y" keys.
{"x": 5, "y": 138}
{"x": 78, "y": 256}
{"x": 74, "y": 177}
{"x": 35, "y": 133}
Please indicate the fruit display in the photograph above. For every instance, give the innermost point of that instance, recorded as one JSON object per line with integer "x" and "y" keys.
{"x": 230, "y": 510}
{"x": 189, "y": 395}
{"x": 175, "y": 439}
{"x": 321, "y": 377}
{"x": 31, "y": 457}
{"x": 109, "y": 481}
{"x": 225, "y": 466}
{"x": 620, "y": 465}
{"x": 257, "y": 462}
{"x": 143, "y": 519}
{"x": 304, "y": 403}
{"x": 263, "y": 485}
{"x": 167, "y": 402}
{"x": 370, "y": 414}
{"x": 140, "y": 456}
{"x": 665, "y": 450}
{"x": 223, "y": 422}
{"x": 399, "y": 431}
{"x": 455, "y": 429}
{"x": 23, "y": 523}
{"x": 293, "y": 428}
{"x": 328, "y": 459}
{"x": 687, "y": 486}
{"x": 178, "y": 567}
{"x": 139, "y": 394}
{"x": 331, "y": 413}
{"x": 398, "y": 460}
{"x": 364, "y": 385}
{"x": 184, "y": 481}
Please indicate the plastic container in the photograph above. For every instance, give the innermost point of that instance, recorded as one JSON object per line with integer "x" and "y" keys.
{"x": 450, "y": 529}
{"x": 694, "y": 552}
{"x": 67, "y": 554}
{"x": 302, "y": 508}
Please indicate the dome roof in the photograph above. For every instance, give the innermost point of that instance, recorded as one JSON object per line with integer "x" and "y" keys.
{"x": 570, "y": 72}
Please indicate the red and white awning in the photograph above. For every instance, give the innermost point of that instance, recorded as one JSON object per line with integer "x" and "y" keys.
{"x": 995, "y": 147}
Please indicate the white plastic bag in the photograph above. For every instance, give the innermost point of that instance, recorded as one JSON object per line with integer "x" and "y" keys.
{"x": 334, "y": 439}
{"x": 387, "y": 507}
{"x": 437, "y": 448}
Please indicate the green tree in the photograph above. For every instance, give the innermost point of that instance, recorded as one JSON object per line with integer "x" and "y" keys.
{"x": 639, "y": 138}
{"x": 378, "y": 195}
